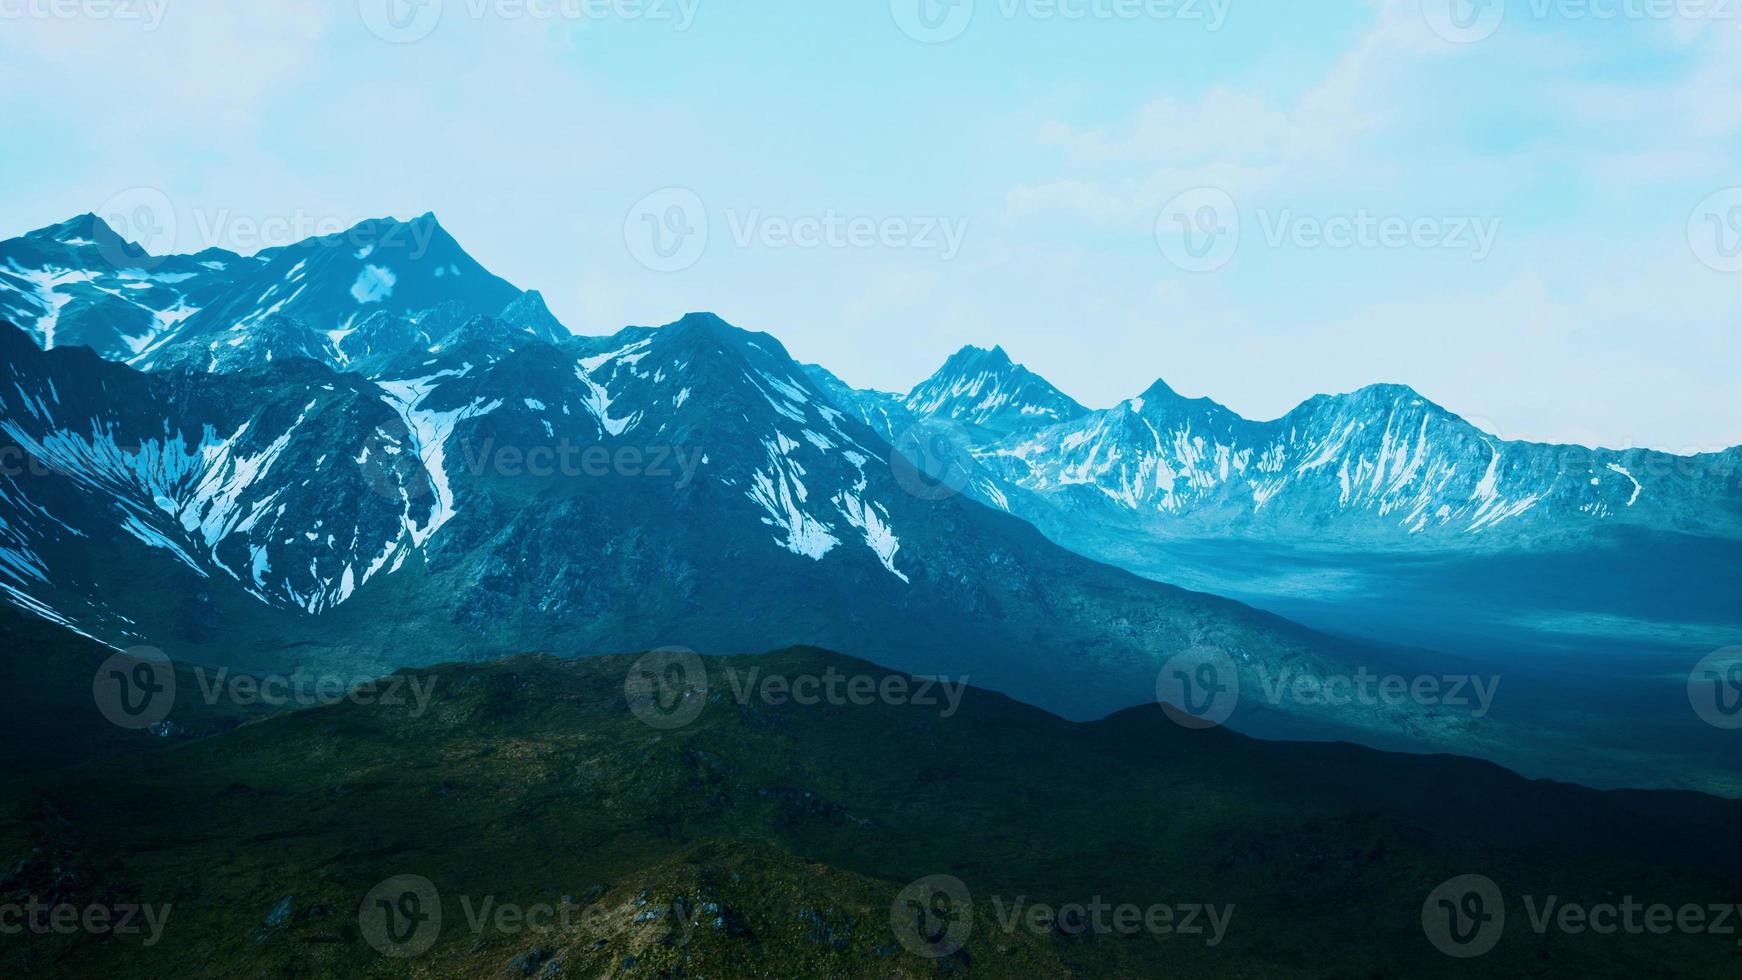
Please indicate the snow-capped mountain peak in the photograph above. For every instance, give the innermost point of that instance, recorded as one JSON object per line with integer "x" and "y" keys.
{"x": 1383, "y": 465}
{"x": 81, "y": 284}
{"x": 986, "y": 389}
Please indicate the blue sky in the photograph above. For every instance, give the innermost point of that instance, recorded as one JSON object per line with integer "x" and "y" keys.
{"x": 1548, "y": 192}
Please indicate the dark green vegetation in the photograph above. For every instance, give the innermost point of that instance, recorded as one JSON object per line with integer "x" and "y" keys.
{"x": 50, "y": 719}
{"x": 784, "y": 833}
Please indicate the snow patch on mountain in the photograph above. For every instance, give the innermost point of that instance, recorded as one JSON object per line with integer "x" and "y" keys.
{"x": 429, "y": 434}
{"x": 50, "y": 295}
{"x": 779, "y": 488}
{"x": 873, "y": 521}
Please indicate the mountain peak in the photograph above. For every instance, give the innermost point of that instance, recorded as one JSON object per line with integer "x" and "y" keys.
{"x": 703, "y": 328}
{"x": 529, "y": 313}
{"x": 972, "y": 357}
{"x": 83, "y": 228}
{"x": 1387, "y": 394}
{"x": 986, "y": 388}
{"x": 426, "y": 221}
{"x": 1160, "y": 391}
{"x": 702, "y": 320}
{"x": 708, "y": 331}
{"x": 1387, "y": 390}
{"x": 1375, "y": 400}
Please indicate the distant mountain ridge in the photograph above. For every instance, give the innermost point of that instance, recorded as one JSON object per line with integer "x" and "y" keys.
{"x": 1378, "y": 466}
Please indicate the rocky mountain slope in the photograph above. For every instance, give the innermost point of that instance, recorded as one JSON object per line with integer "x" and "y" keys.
{"x": 615, "y": 493}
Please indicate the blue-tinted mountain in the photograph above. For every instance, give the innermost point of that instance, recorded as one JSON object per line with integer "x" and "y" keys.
{"x": 79, "y": 284}
{"x": 372, "y": 484}
{"x": 987, "y": 392}
{"x": 1380, "y": 467}
{"x": 401, "y": 519}
{"x": 346, "y": 299}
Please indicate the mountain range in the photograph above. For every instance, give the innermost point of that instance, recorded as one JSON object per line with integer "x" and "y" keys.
{"x": 1379, "y": 467}
{"x": 365, "y": 450}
